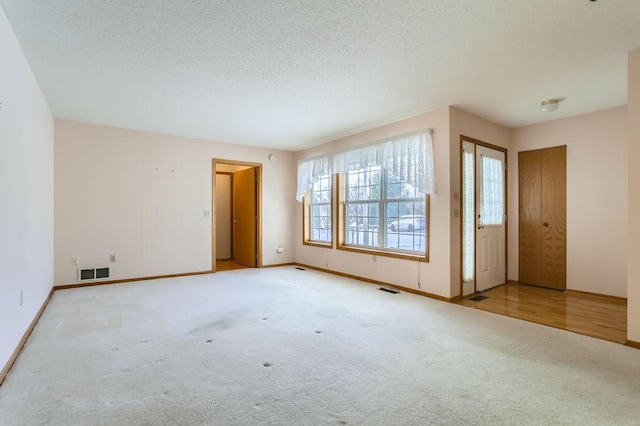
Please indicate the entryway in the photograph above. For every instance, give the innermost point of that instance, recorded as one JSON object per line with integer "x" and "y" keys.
{"x": 603, "y": 317}
{"x": 236, "y": 215}
{"x": 542, "y": 251}
{"x": 484, "y": 195}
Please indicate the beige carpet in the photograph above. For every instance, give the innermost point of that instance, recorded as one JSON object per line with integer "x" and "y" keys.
{"x": 284, "y": 346}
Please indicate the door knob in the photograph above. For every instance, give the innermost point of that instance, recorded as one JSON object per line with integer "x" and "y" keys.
{"x": 546, "y": 224}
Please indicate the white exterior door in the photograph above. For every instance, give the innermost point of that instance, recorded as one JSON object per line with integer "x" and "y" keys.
{"x": 490, "y": 218}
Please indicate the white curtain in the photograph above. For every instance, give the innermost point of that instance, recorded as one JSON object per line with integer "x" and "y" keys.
{"x": 468, "y": 214}
{"x": 408, "y": 156}
{"x": 492, "y": 200}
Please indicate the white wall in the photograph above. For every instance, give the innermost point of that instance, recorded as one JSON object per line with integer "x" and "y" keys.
{"x": 142, "y": 197}
{"x": 633, "y": 253}
{"x": 26, "y": 194}
{"x": 432, "y": 277}
{"x": 596, "y": 196}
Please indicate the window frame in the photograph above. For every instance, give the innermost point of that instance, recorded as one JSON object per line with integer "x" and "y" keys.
{"x": 341, "y": 226}
{"x": 307, "y": 205}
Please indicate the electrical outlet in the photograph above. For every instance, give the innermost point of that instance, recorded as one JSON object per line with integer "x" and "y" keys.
{"x": 280, "y": 249}
{"x": 75, "y": 261}
{"x": 375, "y": 258}
{"x": 21, "y": 297}
{"x": 112, "y": 258}
{"x": 207, "y": 213}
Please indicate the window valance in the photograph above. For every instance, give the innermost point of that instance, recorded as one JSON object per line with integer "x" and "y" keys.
{"x": 409, "y": 156}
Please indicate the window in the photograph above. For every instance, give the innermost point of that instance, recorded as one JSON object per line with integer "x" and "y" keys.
{"x": 317, "y": 213}
{"x": 492, "y": 196}
{"x": 468, "y": 213}
{"x": 381, "y": 188}
{"x": 384, "y": 214}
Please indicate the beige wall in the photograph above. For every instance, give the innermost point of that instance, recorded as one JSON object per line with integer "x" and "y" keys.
{"x": 633, "y": 252}
{"x": 441, "y": 276}
{"x": 596, "y": 196}
{"x": 432, "y": 277}
{"x": 26, "y": 194}
{"x": 142, "y": 197}
{"x": 596, "y": 230}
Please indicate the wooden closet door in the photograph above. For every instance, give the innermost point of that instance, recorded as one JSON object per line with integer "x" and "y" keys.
{"x": 245, "y": 217}
{"x": 530, "y": 208}
{"x": 554, "y": 223}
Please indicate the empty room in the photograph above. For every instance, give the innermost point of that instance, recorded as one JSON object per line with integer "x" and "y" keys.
{"x": 301, "y": 212}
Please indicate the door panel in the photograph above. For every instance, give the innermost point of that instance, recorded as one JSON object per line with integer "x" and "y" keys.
{"x": 486, "y": 254}
{"x": 542, "y": 201}
{"x": 530, "y": 206}
{"x": 244, "y": 233}
{"x": 490, "y": 238}
{"x": 554, "y": 265}
{"x": 496, "y": 248}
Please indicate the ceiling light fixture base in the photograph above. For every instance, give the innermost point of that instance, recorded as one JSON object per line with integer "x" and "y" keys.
{"x": 549, "y": 105}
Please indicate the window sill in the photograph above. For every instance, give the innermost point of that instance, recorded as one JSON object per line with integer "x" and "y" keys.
{"x": 318, "y": 244}
{"x": 384, "y": 253}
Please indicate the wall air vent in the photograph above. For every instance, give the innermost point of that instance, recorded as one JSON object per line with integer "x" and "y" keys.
{"x": 93, "y": 274}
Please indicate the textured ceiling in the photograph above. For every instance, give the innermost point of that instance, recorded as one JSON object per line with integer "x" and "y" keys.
{"x": 291, "y": 74}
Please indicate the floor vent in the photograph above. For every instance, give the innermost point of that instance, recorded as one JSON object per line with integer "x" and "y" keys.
{"x": 93, "y": 274}
{"x": 389, "y": 290}
{"x": 478, "y": 298}
{"x": 300, "y": 269}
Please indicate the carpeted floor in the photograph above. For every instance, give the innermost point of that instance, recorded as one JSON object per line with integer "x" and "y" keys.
{"x": 285, "y": 346}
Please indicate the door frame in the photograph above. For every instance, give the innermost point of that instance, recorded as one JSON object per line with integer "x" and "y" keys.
{"x": 464, "y": 138}
{"x": 258, "y": 167}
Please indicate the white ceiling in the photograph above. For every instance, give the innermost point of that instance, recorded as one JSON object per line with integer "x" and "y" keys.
{"x": 294, "y": 73}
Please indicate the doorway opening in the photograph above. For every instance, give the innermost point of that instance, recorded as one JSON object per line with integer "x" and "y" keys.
{"x": 484, "y": 220}
{"x": 236, "y": 219}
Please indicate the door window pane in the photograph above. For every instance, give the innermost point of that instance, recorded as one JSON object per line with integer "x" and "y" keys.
{"x": 492, "y": 201}
{"x": 468, "y": 215}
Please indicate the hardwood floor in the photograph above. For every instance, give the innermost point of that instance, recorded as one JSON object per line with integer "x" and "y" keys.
{"x": 597, "y": 316}
{"x": 228, "y": 265}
